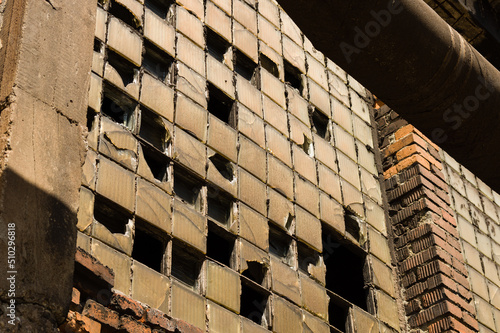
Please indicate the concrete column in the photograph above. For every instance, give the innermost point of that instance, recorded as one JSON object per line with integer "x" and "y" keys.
{"x": 45, "y": 62}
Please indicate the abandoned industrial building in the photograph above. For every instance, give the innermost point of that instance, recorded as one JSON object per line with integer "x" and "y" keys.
{"x": 246, "y": 166}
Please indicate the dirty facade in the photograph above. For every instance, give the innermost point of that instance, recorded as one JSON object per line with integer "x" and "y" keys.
{"x": 214, "y": 172}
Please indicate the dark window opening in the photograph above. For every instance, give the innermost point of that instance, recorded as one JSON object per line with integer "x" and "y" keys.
{"x": 253, "y": 302}
{"x": 224, "y": 167}
{"x": 243, "y": 65}
{"x": 293, "y": 76}
{"x": 123, "y": 13}
{"x": 350, "y": 284}
{"x": 217, "y": 46}
{"x": 269, "y": 65}
{"x": 352, "y": 225}
{"x": 153, "y": 129}
{"x": 320, "y": 124}
{"x": 280, "y": 244}
{"x": 187, "y": 188}
{"x": 219, "y": 248}
{"x": 110, "y": 215}
{"x": 307, "y": 256}
{"x": 338, "y": 312}
{"x": 97, "y": 45}
{"x": 126, "y": 70}
{"x": 256, "y": 271}
{"x": 159, "y": 7}
{"x": 91, "y": 114}
{"x": 220, "y": 207}
{"x": 148, "y": 248}
{"x": 221, "y": 105}
{"x": 289, "y": 221}
{"x": 157, "y": 163}
{"x": 186, "y": 265}
{"x": 156, "y": 62}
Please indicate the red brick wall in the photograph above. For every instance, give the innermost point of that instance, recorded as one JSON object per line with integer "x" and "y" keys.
{"x": 428, "y": 251}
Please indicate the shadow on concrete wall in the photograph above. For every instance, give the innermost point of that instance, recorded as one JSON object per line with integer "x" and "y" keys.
{"x": 37, "y": 247}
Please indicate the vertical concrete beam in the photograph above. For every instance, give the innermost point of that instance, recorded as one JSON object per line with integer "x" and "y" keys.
{"x": 45, "y": 62}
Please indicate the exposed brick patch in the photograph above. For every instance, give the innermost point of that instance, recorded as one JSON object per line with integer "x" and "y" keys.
{"x": 101, "y": 314}
{"x": 126, "y": 305}
{"x": 158, "y": 318}
{"x": 117, "y": 313}
{"x": 75, "y": 298}
{"x": 130, "y": 325}
{"x": 428, "y": 249}
{"x": 76, "y": 322}
{"x": 86, "y": 261}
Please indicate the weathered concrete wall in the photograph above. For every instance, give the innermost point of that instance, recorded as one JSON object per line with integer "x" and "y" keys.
{"x": 477, "y": 210}
{"x": 45, "y": 62}
{"x": 284, "y": 181}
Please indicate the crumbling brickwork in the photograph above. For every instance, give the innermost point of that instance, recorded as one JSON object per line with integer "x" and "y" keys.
{"x": 446, "y": 228}
{"x": 427, "y": 243}
{"x": 230, "y": 180}
{"x": 96, "y": 308}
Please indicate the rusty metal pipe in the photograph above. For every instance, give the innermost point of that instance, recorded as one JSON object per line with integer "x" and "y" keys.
{"x": 404, "y": 53}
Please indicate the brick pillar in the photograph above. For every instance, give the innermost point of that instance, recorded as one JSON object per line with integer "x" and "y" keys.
{"x": 45, "y": 60}
{"x": 428, "y": 251}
